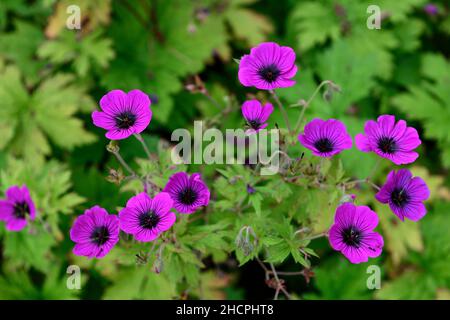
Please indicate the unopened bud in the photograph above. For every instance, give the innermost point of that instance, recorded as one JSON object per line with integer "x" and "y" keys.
{"x": 347, "y": 198}
{"x": 113, "y": 146}
{"x": 328, "y": 95}
{"x": 158, "y": 266}
{"x": 246, "y": 240}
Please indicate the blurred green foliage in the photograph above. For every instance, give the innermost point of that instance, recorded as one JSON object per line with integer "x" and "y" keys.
{"x": 51, "y": 78}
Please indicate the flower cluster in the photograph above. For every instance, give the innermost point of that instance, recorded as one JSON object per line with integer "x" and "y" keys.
{"x": 96, "y": 232}
{"x": 269, "y": 66}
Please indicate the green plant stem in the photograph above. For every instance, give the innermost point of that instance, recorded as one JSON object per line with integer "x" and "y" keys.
{"x": 213, "y": 101}
{"x": 302, "y": 113}
{"x": 374, "y": 169}
{"x": 317, "y": 236}
{"x": 283, "y": 111}
{"x": 144, "y": 145}
{"x": 124, "y": 164}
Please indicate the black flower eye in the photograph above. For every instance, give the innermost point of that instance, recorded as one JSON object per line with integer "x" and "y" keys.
{"x": 254, "y": 124}
{"x": 125, "y": 120}
{"x": 188, "y": 196}
{"x": 387, "y": 145}
{"x": 269, "y": 73}
{"x": 324, "y": 145}
{"x": 399, "y": 197}
{"x": 149, "y": 220}
{"x": 351, "y": 236}
{"x": 100, "y": 235}
{"x": 21, "y": 209}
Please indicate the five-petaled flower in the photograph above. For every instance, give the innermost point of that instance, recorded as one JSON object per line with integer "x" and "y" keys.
{"x": 268, "y": 66}
{"x": 17, "y": 208}
{"x": 325, "y": 138}
{"x": 404, "y": 194}
{"x": 123, "y": 114}
{"x": 187, "y": 193}
{"x": 256, "y": 115}
{"x": 352, "y": 233}
{"x": 95, "y": 233}
{"x": 390, "y": 140}
{"x": 146, "y": 218}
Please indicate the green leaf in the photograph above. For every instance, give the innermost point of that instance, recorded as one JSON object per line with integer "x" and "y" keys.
{"x": 92, "y": 51}
{"x": 312, "y": 23}
{"x": 427, "y": 101}
{"x": 400, "y": 237}
{"x": 29, "y": 249}
{"x": 139, "y": 283}
{"x": 353, "y": 73}
{"x": 429, "y": 270}
{"x": 20, "y": 47}
{"x": 339, "y": 279}
{"x": 28, "y": 121}
{"x": 181, "y": 48}
{"x": 247, "y": 24}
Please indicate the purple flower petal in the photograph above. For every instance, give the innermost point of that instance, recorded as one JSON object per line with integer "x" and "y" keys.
{"x": 268, "y": 66}
{"x": 352, "y": 233}
{"x": 390, "y": 140}
{"x": 123, "y": 114}
{"x": 95, "y": 233}
{"x": 325, "y": 138}
{"x": 188, "y": 194}
{"x": 404, "y": 194}
{"x": 146, "y": 218}
{"x": 17, "y": 209}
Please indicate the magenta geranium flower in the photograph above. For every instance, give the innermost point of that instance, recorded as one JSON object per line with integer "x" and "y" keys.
{"x": 146, "y": 218}
{"x": 325, "y": 138}
{"x": 390, "y": 140}
{"x": 268, "y": 66}
{"x": 123, "y": 114}
{"x": 187, "y": 193}
{"x": 17, "y": 208}
{"x": 95, "y": 233}
{"x": 404, "y": 194}
{"x": 431, "y": 9}
{"x": 352, "y": 233}
{"x": 256, "y": 115}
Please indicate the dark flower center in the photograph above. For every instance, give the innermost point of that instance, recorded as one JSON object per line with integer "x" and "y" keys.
{"x": 149, "y": 220}
{"x": 254, "y": 124}
{"x": 21, "y": 209}
{"x": 324, "y": 145}
{"x": 269, "y": 73}
{"x": 387, "y": 145}
{"x": 399, "y": 197}
{"x": 125, "y": 120}
{"x": 100, "y": 235}
{"x": 188, "y": 196}
{"x": 351, "y": 237}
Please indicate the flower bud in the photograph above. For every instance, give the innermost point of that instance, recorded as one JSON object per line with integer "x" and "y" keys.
{"x": 244, "y": 242}
{"x": 113, "y": 146}
{"x": 347, "y": 198}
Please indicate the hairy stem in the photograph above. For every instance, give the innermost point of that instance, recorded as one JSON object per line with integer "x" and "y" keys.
{"x": 283, "y": 111}
{"x": 306, "y": 104}
{"x": 144, "y": 145}
{"x": 124, "y": 164}
{"x": 212, "y": 100}
{"x": 317, "y": 236}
